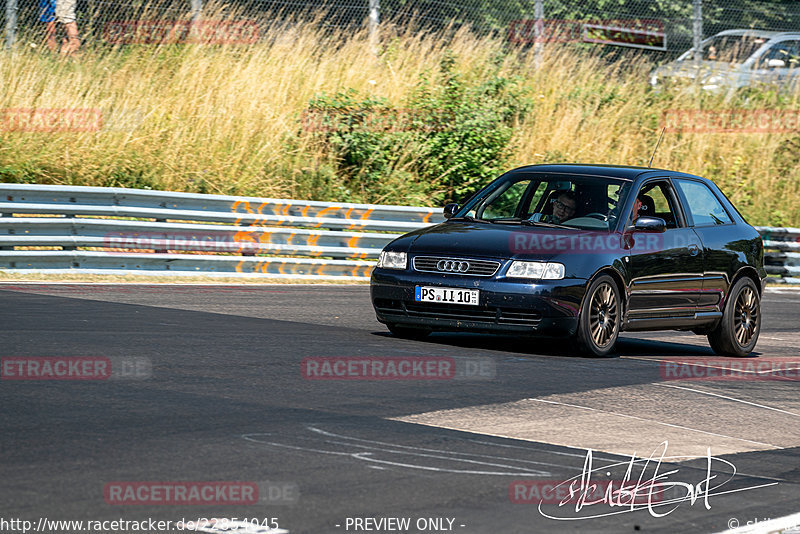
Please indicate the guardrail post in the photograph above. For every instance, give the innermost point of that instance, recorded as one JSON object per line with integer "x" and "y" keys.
{"x": 11, "y": 23}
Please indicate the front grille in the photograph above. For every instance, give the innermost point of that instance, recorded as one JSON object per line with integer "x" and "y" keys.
{"x": 428, "y": 264}
{"x": 498, "y": 316}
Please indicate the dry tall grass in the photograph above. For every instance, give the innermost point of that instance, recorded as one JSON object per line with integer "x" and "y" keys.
{"x": 226, "y": 119}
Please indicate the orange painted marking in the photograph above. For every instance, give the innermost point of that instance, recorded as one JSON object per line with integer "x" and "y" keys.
{"x": 243, "y": 237}
{"x": 312, "y": 242}
{"x": 305, "y": 211}
{"x": 286, "y": 209}
{"x": 265, "y": 237}
{"x": 427, "y": 218}
{"x": 366, "y": 214}
{"x": 235, "y": 209}
{"x": 330, "y": 208}
{"x": 261, "y": 220}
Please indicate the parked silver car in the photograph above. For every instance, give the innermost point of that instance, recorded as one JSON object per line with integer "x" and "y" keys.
{"x": 737, "y": 58}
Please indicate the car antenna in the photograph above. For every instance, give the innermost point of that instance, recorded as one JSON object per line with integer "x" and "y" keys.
{"x": 656, "y": 148}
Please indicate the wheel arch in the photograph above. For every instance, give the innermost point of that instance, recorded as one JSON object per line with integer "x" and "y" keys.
{"x": 618, "y": 280}
{"x": 750, "y": 272}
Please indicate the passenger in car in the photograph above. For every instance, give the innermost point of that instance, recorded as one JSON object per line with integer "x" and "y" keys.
{"x": 645, "y": 206}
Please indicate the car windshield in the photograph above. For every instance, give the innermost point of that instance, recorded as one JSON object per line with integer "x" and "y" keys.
{"x": 549, "y": 200}
{"x": 729, "y": 48}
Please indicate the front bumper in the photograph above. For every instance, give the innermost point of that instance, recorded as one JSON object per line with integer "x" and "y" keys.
{"x": 506, "y": 305}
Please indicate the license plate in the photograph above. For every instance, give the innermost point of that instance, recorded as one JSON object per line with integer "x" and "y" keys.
{"x": 446, "y": 295}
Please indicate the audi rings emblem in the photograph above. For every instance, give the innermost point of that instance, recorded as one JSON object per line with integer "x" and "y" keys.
{"x": 452, "y": 266}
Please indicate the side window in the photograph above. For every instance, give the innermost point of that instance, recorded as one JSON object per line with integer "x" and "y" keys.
{"x": 786, "y": 51}
{"x": 505, "y": 204}
{"x": 656, "y": 199}
{"x": 705, "y": 208}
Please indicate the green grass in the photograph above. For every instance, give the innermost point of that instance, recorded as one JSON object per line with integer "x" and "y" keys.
{"x": 227, "y": 119}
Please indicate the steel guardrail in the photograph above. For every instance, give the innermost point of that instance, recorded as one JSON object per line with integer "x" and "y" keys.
{"x": 118, "y": 230}
{"x": 782, "y": 253}
{"x": 61, "y": 229}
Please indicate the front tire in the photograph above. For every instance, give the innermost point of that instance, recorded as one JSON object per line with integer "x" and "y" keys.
{"x": 407, "y": 332}
{"x": 600, "y": 318}
{"x": 737, "y": 332}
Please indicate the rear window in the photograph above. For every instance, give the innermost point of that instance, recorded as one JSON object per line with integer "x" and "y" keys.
{"x": 703, "y": 205}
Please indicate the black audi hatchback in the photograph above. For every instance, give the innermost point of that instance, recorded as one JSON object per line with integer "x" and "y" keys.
{"x": 581, "y": 251}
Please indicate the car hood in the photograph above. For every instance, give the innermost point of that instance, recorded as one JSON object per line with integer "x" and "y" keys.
{"x": 487, "y": 240}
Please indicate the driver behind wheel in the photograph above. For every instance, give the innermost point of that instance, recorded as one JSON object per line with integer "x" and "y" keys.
{"x": 564, "y": 207}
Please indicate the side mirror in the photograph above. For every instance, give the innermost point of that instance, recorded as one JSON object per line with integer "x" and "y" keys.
{"x": 776, "y": 64}
{"x": 650, "y": 224}
{"x": 451, "y": 209}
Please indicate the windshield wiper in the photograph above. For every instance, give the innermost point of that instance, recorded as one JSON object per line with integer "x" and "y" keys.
{"x": 528, "y": 222}
{"x": 469, "y": 218}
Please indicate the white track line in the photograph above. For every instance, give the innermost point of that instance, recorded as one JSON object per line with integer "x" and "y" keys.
{"x": 728, "y": 398}
{"x": 659, "y": 423}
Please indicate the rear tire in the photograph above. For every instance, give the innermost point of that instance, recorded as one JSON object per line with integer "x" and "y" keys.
{"x": 600, "y": 318}
{"x": 737, "y": 332}
{"x": 407, "y": 332}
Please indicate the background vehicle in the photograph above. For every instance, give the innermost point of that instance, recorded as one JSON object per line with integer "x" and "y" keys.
{"x": 737, "y": 58}
{"x": 645, "y": 249}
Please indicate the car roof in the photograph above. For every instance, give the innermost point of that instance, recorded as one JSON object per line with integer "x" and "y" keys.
{"x": 770, "y": 34}
{"x": 611, "y": 171}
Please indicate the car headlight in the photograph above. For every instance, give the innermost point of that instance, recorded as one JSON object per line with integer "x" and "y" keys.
{"x": 536, "y": 270}
{"x": 393, "y": 260}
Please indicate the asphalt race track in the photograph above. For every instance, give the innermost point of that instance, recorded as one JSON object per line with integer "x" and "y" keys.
{"x": 221, "y": 397}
